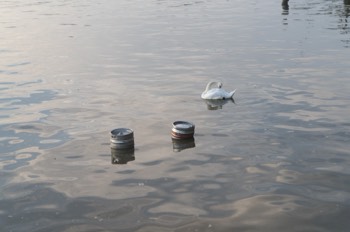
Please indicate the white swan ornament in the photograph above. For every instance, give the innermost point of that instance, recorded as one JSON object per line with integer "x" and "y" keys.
{"x": 213, "y": 91}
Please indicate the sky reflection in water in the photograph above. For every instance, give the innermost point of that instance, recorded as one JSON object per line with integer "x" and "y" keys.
{"x": 276, "y": 158}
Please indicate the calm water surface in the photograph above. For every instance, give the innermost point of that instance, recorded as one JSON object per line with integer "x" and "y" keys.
{"x": 275, "y": 159}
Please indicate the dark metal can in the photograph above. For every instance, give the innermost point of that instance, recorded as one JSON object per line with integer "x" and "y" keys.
{"x": 182, "y": 130}
{"x": 122, "y": 138}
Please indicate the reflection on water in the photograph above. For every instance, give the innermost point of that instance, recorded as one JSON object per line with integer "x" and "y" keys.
{"x": 285, "y": 11}
{"x": 285, "y": 6}
{"x": 182, "y": 144}
{"x": 71, "y": 71}
{"x": 122, "y": 156}
{"x": 217, "y": 104}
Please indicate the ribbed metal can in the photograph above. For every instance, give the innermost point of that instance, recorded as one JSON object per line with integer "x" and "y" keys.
{"x": 122, "y": 138}
{"x": 182, "y": 130}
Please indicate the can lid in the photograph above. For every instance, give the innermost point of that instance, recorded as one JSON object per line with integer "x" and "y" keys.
{"x": 122, "y": 133}
{"x": 183, "y": 126}
{"x": 177, "y": 131}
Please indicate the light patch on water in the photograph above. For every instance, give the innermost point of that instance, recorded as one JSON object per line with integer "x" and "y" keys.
{"x": 4, "y": 163}
{"x": 335, "y": 168}
{"x": 91, "y": 162}
{"x": 49, "y": 141}
{"x": 16, "y": 141}
{"x": 177, "y": 208}
{"x": 23, "y": 156}
{"x": 212, "y": 186}
{"x": 288, "y": 176}
{"x": 305, "y": 129}
{"x": 46, "y": 206}
{"x": 255, "y": 170}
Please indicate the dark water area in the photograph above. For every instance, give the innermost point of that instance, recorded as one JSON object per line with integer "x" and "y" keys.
{"x": 277, "y": 158}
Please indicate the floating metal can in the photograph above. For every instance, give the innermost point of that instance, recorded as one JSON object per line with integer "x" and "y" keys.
{"x": 182, "y": 130}
{"x": 122, "y": 138}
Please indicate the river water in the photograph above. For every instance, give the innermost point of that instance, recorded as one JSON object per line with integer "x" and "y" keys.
{"x": 277, "y": 158}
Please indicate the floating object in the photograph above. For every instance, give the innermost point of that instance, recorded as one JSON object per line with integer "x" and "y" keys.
{"x": 122, "y": 156}
{"x": 214, "y": 91}
{"x": 182, "y": 144}
{"x": 122, "y": 138}
{"x": 182, "y": 130}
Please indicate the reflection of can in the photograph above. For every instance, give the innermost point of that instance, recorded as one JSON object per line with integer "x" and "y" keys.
{"x": 122, "y": 138}
{"x": 182, "y": 144}
{"x": 122, "y": 156}
{"x": 182, "y": 130}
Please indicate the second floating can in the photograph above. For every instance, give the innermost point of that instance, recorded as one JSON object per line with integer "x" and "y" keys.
{"x": 182, "y": 130}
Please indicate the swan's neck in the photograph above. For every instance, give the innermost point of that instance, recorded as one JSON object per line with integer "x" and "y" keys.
{"x": 211, "y": 84}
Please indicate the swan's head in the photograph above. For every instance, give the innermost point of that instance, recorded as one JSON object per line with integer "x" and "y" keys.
{"x": 213, "y": 84}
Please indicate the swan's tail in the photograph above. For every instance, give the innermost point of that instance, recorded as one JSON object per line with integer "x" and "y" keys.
{"x": 232, "y": 93}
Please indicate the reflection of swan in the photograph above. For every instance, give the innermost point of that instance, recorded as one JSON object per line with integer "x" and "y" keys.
{"x": 217, "y": 104}
{"x": 214, "y": 91}
{"x": 285, "y": 5}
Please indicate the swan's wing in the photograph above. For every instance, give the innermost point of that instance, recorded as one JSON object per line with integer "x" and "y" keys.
{"x": 215, "y": 94}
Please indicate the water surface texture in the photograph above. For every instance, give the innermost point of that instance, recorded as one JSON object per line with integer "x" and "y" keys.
{"x": 277, "y": 158}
